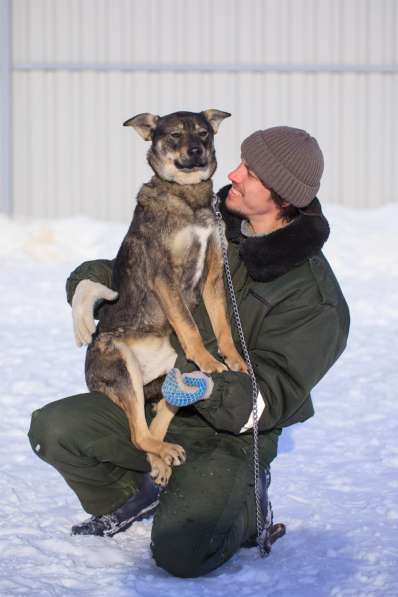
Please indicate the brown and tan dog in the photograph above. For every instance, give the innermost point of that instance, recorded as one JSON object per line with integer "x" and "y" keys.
{"x": 171, "y": 254}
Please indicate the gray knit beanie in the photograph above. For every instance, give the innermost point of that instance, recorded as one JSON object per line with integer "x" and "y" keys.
{"x": 287, "y": 160}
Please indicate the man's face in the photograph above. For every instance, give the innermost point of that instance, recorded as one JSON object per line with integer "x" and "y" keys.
{"x": 248, "y": 196}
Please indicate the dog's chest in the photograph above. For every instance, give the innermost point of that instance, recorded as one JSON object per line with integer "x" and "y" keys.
{"x": 189, "y": 251}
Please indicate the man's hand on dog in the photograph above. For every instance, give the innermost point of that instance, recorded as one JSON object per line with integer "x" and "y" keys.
{"x": 87, "y": 293}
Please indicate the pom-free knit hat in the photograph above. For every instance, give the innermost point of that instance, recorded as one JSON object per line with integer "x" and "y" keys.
{"x": 287, "y": 160}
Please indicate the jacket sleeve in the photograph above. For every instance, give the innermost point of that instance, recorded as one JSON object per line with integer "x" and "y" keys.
{"x": 98, "y": 270}
{"x": 289, "y": 359}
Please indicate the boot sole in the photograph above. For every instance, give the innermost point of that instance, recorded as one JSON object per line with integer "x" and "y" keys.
{"x": 278, "y": 530}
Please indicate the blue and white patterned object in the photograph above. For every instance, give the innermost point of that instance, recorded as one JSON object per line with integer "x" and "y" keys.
{"x": 183, "y": 389}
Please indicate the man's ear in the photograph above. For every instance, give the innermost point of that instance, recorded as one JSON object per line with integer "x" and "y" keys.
{"x": 144, "y": 124}
{"x": 215, "y": 117}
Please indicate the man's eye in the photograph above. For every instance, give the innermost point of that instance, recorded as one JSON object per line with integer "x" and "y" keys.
{"x": 175, "y": 135}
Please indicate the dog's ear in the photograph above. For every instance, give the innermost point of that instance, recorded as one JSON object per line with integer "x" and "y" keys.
{"x": 215, "y": 117}
{"x": 144, "y": 124}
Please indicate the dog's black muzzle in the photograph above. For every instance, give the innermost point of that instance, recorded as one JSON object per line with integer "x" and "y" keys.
{"x": 192, "y": 164}
{"x": 195, "y": 157}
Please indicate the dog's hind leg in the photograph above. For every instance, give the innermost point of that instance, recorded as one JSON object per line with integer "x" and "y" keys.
{"x": 132, "y": 400}
{"x": 158, "y": 428}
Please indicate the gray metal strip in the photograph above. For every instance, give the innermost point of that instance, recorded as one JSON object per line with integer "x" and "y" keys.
{"x": 216, "y": 68}
{"x": 5, "y": 108}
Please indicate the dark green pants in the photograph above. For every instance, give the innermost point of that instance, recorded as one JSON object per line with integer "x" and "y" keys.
{"x": 208, "y": 509}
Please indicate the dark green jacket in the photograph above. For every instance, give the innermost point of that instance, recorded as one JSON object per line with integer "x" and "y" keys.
{"x": 294, "y": 317}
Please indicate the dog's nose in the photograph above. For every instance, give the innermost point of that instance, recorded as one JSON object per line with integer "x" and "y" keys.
{"x": 194, "y": 150}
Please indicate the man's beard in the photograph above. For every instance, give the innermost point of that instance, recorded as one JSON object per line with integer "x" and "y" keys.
{"x": 236, "y": 211}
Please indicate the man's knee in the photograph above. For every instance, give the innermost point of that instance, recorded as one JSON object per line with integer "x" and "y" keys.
{"x": 47, "y": 430}
{"x": 176, "y": 554}
{"x": 60, "y": 424}
{"x": 187, "y": 552}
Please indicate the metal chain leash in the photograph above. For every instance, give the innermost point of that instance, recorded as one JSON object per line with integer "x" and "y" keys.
{"x": 263, "y": 526}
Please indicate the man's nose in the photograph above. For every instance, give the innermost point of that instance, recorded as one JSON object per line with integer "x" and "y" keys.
{"x": 236, "y": 175}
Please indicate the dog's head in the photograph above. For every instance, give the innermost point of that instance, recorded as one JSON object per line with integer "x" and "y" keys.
{"x": 182, "y": 143}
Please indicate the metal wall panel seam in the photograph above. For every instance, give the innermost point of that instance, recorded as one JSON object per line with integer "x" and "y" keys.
{"x": 6, "y": 133}
{"x": 239, "y": 68}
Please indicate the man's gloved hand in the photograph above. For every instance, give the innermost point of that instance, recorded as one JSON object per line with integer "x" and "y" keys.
{"x": 182, "y": 389}
{"x": 87, "y": 293}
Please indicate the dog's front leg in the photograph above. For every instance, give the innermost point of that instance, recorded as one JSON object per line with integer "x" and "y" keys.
{"x": 214, "y": 299}
{"x": 181, "y": 320}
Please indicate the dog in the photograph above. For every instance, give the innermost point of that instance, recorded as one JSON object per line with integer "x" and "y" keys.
{"x": 170, "y": 256}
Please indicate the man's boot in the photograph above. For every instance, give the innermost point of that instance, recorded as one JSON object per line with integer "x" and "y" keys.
{"x": 272, "y": 532}
{"x": 137, "y": 507}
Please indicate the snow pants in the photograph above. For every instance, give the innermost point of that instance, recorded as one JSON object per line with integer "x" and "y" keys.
{"x": 207, "y": 510}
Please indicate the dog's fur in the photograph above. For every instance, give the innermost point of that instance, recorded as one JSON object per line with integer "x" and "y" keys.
{"x": 171, "y": 254}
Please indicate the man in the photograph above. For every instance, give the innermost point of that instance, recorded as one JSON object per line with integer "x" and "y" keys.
{"x": 296, "y": 323}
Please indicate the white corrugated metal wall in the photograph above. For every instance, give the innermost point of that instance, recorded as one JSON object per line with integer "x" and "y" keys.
{"x": 82, "y": 67}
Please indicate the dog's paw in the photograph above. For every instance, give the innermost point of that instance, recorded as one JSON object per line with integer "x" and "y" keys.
{"x": 209, "y": 364}
{"x": 160, "y": 471}
{"x": 172, "y": 454}
{"x": 236, "y": 363}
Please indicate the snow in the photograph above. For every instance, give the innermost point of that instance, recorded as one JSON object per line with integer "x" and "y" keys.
{"x": 334, "y": 483}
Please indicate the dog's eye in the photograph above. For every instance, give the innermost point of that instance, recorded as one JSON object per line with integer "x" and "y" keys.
{"x": 175, "y": 135}
{"x": 203, "y": 134}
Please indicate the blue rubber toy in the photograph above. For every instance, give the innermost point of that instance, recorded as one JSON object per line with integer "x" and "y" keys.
{"x": 182, "y": 389}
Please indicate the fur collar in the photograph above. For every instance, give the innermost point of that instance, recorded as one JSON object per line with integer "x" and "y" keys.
{"x": 269, "y": 256}
{"x": 196, "y": 196}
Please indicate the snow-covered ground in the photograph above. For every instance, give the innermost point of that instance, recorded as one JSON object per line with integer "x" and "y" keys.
{"x": 335, "y": 481}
